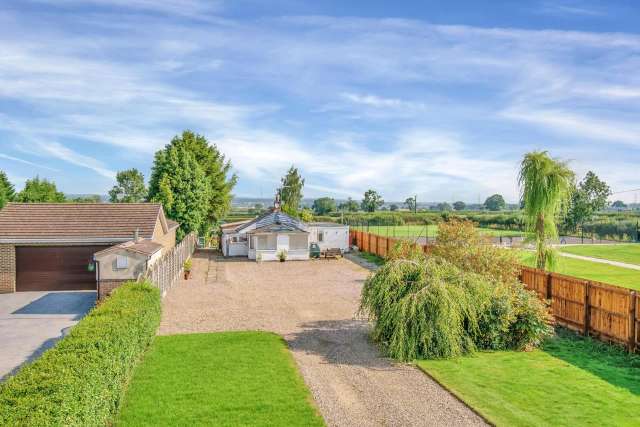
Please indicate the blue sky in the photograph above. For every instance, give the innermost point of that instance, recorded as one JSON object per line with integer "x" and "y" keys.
{"x": 429, "y": 98}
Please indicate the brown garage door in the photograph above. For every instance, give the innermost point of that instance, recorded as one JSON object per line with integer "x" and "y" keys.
{"x": 55, "y": 268}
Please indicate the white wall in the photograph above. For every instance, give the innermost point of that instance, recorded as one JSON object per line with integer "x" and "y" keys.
{"x": 333, "y": 236}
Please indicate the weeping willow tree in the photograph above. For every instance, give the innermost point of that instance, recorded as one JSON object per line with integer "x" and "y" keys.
{"x": 545, "y": 185}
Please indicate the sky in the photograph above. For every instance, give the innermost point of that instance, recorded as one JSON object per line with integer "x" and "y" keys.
{"x": 438, "y": 99}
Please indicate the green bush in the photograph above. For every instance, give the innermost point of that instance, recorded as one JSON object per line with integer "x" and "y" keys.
{"x": 429, "y": 308}
{"x": 81, "y": 381}
{"x": 463, "y": 297}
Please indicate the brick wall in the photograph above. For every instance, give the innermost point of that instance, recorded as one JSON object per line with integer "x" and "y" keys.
{"x": 7, "y": 269}
{"x": 106, "y": 286}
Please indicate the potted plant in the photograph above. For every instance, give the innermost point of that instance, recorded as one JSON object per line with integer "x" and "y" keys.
{"x": 187, "y": 269}
{"x": 282, "y": 255}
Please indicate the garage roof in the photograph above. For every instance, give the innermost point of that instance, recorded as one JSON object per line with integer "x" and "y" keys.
{"x": 79, "y": 221}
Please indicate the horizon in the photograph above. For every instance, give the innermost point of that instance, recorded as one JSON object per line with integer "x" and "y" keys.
{"x": 414, "y": 98}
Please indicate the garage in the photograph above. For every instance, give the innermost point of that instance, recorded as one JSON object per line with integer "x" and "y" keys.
{"x": 55, "y": 268}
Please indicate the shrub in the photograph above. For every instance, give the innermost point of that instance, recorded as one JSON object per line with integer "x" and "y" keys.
{"x": 446, "y": 305}
{"x": 81, "y": 381}
{"x": 460, "y": 243}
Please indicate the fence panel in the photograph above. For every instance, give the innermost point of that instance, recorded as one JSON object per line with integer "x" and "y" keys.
{"x": 166, "y": 271}
{"x": 610, "y": 308}
{"x": 535, "y": 280}
{"x": 568, "y": 301}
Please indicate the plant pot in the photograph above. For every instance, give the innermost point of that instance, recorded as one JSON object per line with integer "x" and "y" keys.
{"x": 187, "y": 275}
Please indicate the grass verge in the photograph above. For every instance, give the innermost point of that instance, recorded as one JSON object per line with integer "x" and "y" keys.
{"x": 588, "y": 270}
{"x": 570, "y": 381}
{"x": 223, "y": 379}
{"x": 627, "y": 253}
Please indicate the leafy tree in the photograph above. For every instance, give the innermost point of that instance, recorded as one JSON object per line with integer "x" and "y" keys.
{"x": 182, "y": 186}
{"x": 459, "y": 206}
{"x": 40, "y": 190}
{"x": 349, "y": 205}
{"x": 130, "y": 187}
{"x": 619, "y": 204}
{"x": 324, "y": 205}
{"x": 393, "y": 207}
{"x": 589, "y": 197}
{"x": 91, "y": 198}
{"x": 306, "y": 215}
{"x": 495, "y": 203}
{"x": 444, "y": 207}
{"x": 212, "y": 163}
{"x": 372, "y": 201}
{"x": 410, "y": 202}
{"x": 291, "y": 192}
{"x": 7, "y": 190}
{"x": 546, "y": 186}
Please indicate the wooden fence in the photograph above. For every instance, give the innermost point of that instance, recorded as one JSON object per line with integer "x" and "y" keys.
{"x": 167, "y": 270}
{"x": 607, "y": 312}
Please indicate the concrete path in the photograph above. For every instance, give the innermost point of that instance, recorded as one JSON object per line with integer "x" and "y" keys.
{"x": 313, "y": 305}
{"x": 32, "y": 322}
{"x": 600, "y": 260}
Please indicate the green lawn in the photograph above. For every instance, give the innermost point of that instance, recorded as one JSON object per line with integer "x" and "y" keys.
{"x": 425, "y": 230}
{"x": 628, "y": 253}
{"x": 625, "y": 277}
{"x": 571, "y": 382}
{"x": 223, "y": 379}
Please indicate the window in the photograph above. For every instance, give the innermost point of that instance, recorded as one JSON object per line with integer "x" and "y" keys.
{"x": 122, "y": 262}
{"x": 267, "y": 242}
{"x": 251, "y": 244}
{"x": 320, "y": 236}
{"x": 298, "y": 241}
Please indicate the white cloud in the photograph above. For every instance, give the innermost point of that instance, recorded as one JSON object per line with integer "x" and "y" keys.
{"x": 61, "y": 152}
{"x": 27, "y": 162}
{"x": 249, "y": 86}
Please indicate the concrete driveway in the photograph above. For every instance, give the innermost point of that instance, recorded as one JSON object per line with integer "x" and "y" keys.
{"x": 31, "y": 322}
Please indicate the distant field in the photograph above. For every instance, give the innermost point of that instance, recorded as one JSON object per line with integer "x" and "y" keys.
{"x": 426, "y": 230}
{"x": 628, "y": 253}
{"x": 591, "y": 271}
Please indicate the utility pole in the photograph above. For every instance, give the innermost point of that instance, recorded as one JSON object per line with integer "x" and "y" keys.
{"x": 415, "y": 204}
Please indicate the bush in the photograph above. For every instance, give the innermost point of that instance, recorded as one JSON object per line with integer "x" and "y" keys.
{"x": 81, "y": 381}
{"x": 460, "y": 243}
{"x": 449, "y": 304}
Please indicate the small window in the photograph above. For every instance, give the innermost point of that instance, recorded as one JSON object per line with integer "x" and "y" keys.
{"x": 122, "y": 262}
{"x": 320, "y": 236}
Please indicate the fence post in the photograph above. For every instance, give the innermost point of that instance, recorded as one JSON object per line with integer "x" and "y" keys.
{"x": 632, "y": 325}
{"x": 549, "y": 286}
{"x": 587, "y": 309}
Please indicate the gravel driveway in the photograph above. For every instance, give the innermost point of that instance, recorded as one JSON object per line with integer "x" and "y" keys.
{"x": 313, "y": 305}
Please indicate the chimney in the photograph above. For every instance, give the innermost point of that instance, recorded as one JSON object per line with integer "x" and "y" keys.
{"x": 136, "y": 235}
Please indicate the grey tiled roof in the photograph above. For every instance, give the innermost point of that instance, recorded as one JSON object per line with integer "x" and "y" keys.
{"x": 275, "y": 218}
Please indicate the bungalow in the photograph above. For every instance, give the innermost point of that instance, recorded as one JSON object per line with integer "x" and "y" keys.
{"x": 51, "y": 246}
{"x": 267, "y": 236}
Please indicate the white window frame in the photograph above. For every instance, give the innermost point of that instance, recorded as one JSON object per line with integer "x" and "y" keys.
{"x": 122, "y": 262}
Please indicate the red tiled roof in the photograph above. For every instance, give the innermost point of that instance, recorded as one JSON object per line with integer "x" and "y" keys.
{"x": 78, "y": 220}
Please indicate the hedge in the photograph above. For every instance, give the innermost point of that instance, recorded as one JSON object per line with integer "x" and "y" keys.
{"x": 82, "y": 380}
